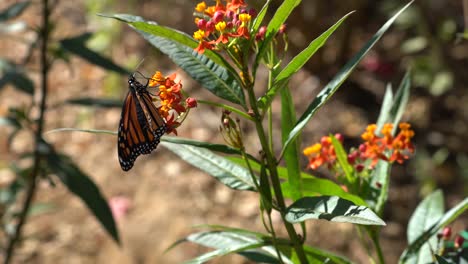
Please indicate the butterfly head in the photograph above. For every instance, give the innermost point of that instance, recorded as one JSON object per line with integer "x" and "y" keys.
{"x": 131, "y": 79}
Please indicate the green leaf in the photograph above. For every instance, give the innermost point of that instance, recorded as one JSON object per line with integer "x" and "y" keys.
{"x": 260, "y": 16}
{"x": 14, "y": 74}
{"x": 339, "y": 78}
{"x": 265, "y": 189}
{"x": 230, "y": 174}
{"x": 446, "y": 219}
{"x": 319, "y": 256}
{"x": 77, "y": 46}
{"x": 214, "y": 147}
{"x": 83, "y": 187}
{"x": 92, "y": 131}
{"x": 278, "y": 19}
{"x": 343, "y": 160}
{"x": 313, "y": 186}
{"x": 331, "y": 208}
{"x": 231, "y": 241}
{"x": 209, "y": 69}
{"x": 428, "y": 212}
{"x": 13, "y": 10}
{"x": 97, "y": 102}
{"x": 391, "y": 112}
{"x": 441, "y": 260}
{"x": 7, "y": 121}
{"x": 385, "y": 109}
{"x": 291, "y": 154}
{"x": 297, "y": 63}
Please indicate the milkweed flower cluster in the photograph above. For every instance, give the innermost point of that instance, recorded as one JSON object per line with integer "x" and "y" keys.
{"x": 374, "y": 148}
{"x": 220, "y": 23}
{"x": 172, "y": 103}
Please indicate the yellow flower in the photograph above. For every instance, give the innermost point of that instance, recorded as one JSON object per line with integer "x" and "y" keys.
{"x": 312, "y": 149}
{"x": 200, "y": 7}
{"x": 244, "y": 18}
{"x": 199, "y": 34}
{"x": 220, "y": 26}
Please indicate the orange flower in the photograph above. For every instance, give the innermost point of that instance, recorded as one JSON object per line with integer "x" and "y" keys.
{"x": 172, "y": 105}
{"x": 221, "y": 24}
{"x": 374, "y": 148}
{"x": 321, "y": 153}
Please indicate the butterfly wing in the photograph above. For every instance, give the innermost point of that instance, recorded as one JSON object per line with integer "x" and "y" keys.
{"x": 140, "y": 128}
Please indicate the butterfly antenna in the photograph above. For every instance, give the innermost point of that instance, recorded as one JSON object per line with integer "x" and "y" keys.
{"x": 139, "y": 64}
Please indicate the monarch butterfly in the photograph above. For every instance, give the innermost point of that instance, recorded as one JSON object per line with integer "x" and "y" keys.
{"x": 141, "y": 126}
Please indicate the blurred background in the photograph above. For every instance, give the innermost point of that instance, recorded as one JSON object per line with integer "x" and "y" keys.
{"x": 162, "y": 198}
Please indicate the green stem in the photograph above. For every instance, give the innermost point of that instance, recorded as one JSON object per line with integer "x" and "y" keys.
{"x": 271, "y": 164}
{"x": 375, "y": 239}
{"x": 227, "y": 107}
{"x": 38, "y": 136}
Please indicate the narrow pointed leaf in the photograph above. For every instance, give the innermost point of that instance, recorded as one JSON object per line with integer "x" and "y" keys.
{"x": 13, "y": 10}
{"x": 313, "y": 186}
{"x": 280, "y": 16}
{"x": 297, "y": 63}
{"x": 291, "y": 154}
{"x": 231, "y": 241}
{"x": 77, "y": 46}
{"x": 331, "y": 208}
{"x": 259, "y": 19}
{"x": 391, "y": 112}
{"x": 446, "y": 219}
{"x": 428, "y": 212}
{"x": 83, "y": 187}
{"x": 316, "y": 256}
{"x": 230, "y": 174}
{"x": 343, "y": 160}
{"x": 15, "y": 75}
{"x": 339, "y": 78}
{"x": 97, "y": 102}
{"x": 209, "y": 69}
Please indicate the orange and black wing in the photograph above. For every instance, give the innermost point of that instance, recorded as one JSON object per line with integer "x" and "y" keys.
{"x": 140, "y": 129}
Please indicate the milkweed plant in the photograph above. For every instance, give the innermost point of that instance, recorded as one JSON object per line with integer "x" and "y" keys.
{"x": 231, "y": 42}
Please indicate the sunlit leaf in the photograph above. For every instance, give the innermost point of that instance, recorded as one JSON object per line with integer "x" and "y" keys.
{"x": 209, "y": 69}
{"x": 297, "y": 63}
{"x": 331, "y": 208}
{"x": 230, "y": 174}
{"x": 339, "y": 78}
{"x": 428, "y": 212}
{"x": 446, "y": 219}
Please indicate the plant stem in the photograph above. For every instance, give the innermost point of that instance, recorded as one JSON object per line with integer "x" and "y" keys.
{"x": 271, "y": 164}
{"x": 38, "y": 135}
{"x": 227, "y": 107}
{"x": 375, "y": 239}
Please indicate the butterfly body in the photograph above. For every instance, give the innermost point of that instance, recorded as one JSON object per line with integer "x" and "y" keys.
{"x": 141, "y": 126}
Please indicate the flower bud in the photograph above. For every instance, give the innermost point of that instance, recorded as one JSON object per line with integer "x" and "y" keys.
{"x": 230, "y": 14}
{"x": 458, "y": 242}
{"x": 261, "y": 33}
{"x": 446, "y": 233}
{"x": 282, "y": 29}
{"x": 218, "y": 16}
{"x": 253, "y": 12}
{"x": 352, "y": 158}
{"x": 191, "y": 102}
{"x": 210, "y": 26}
{"x": 339, "y": 137}
{"x": 359, "y": 168}
{"x": 201, "y": 24}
